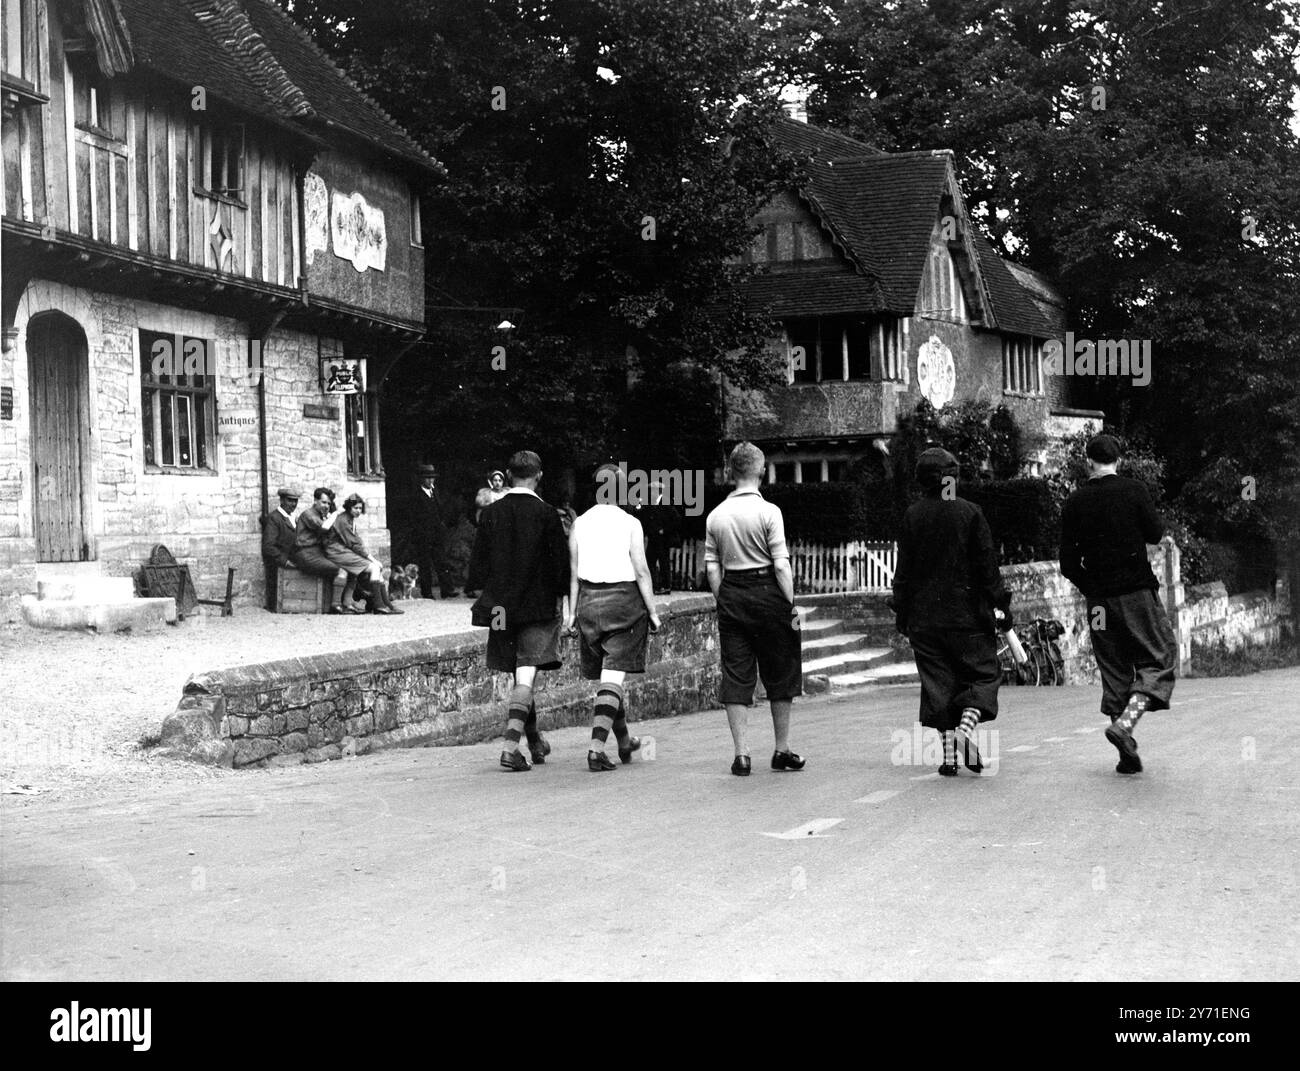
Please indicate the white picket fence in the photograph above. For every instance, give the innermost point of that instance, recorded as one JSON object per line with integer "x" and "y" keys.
{"x": 818, "y": 569}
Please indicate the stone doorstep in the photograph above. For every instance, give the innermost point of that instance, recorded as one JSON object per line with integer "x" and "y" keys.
{"x": 136, "y": 615}
{"x": 103, "y": 589}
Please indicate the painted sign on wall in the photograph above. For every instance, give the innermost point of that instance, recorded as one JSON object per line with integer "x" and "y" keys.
{"x": 936, "y": 374}
{"x": 315, "y": 205}
{"x": 357, "y": 230}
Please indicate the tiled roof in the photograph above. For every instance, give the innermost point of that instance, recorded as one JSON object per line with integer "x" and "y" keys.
{"x": 783, "y": 295}
{"x": 250, "y": 54}
{"x": 881, "y": 208}
{"x": 1014, "y": 308}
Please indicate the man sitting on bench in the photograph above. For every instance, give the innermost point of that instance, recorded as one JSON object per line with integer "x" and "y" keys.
{"x": 278, "y": 537}
{"x": 312, "y": 532}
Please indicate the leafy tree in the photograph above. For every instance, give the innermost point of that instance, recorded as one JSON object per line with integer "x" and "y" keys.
{"x": 597, "y": 197}
{"x": 1145, "y": 156}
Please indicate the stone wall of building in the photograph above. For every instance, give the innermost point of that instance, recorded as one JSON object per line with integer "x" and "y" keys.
{"x": 207, "y": 518}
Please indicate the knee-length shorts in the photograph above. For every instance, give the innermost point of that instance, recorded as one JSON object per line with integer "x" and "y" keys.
{"x": 613, "y": 628}
{"x": 536, "y": 643}
{"x": 758, "y": 631}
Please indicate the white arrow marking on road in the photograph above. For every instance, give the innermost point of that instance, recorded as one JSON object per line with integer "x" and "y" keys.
{"x": 1024, "y": 747}
{"x": 879, "y": 797}
{"x": 926, "y": 777}
{"x": 1089, "y": 729}
{"x": 1055, "y": 739}
{"x": 808, "y": 829}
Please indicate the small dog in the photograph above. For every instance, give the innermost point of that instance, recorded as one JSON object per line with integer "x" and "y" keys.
{"x": 404, "y": 581}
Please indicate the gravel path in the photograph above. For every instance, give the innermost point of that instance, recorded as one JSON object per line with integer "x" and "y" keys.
{"x": 77, "y": 704}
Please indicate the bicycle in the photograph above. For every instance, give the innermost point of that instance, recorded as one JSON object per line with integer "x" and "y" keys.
{"x": 1013, "y": 672}
{"x": 1044, "y": 650}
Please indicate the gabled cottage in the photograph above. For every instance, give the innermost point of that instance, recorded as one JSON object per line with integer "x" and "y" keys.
{"x": 887, "y": 294}
{"x": 212, "y": 256}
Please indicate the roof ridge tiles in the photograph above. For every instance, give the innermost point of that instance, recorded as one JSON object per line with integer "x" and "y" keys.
{"x": 229, "y": 23}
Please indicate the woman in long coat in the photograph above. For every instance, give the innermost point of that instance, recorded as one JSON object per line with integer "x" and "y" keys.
{"x": 345, "y": 548}
{"x": 947, "y": 591}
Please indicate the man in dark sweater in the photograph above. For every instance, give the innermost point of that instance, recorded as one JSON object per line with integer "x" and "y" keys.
{"x": 520, "y": 563}
{"x": 948, "y": 599}
{"x": 1105, "y": 527}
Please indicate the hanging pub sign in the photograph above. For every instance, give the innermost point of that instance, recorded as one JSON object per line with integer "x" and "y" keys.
{"x": 343, "y": 375}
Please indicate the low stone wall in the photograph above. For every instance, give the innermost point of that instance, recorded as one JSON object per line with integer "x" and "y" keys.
{"x": 1251, "y": 619}
{"x": 417, "y": 692}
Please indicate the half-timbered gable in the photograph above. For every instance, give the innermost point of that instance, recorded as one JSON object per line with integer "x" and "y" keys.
{"x": 202, "y": 217}
{"x": 886, "y": 293}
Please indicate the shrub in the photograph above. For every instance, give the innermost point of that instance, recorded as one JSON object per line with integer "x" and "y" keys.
{"x": 1217, "y": 661}
{"x": 1023, "y": 515}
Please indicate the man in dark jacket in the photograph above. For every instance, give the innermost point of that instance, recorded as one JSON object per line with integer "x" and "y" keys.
{"x": 947, "y": 592}
{"x": 520, "y": 563}
{"x": 278, "y": 533}
{"x": 430, "y": 536}
{"x": 1105, "y": 527}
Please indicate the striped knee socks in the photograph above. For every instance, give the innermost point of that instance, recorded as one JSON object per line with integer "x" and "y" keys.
{"x": 605, "y": 712}
{"x": 521, "y": 701}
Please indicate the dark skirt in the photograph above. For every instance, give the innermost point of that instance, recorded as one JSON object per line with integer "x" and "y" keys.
{"x": 349, "y": 561}
{"x": 958, "y": 670}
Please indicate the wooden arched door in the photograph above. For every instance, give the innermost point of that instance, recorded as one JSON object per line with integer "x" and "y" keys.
{"x": 57, "y": 374}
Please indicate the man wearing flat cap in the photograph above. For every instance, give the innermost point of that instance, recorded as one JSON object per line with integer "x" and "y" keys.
{"x": 1105, "y": 527}
{"x": 430, "y": 536}
{"x": 277, "y": 540}
{"x": 949, "y": 600}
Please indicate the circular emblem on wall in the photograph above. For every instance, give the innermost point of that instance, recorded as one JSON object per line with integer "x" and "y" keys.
{"x": 936, "y": 374}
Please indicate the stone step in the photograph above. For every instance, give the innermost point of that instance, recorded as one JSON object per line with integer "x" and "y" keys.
{"x": 853, "y": 661}
{"x": 135, "y": 615}
{"x": 106, "y": 589}
{"x": 822, "y": 645}
{"x": 68, "y": 570}
{"x": 808, "y": 613}
{"x": 821, "y": 627}
{"x": 889, "y": 673}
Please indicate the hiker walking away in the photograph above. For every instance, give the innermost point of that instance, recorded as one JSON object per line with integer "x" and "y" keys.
{"x": 949, "y": 600}
{"x": 520, "y": 564}
{"x": 1105, "y": 527}
{"x": 611, "y": 604}
{"x": 748, "y": 566}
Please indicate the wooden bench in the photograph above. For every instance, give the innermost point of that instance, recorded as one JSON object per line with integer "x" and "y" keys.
{"x": 297, "y": 592}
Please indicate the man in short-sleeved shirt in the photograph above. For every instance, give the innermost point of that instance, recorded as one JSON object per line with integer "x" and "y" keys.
{"x": 748, "y": 566}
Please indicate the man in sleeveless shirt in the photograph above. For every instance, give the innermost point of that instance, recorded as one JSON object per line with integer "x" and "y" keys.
{"x": 611, "y": 604}
{"x": 748, "y": 566}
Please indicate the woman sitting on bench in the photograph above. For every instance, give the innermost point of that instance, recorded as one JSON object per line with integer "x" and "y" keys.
{"x": 345, "y": 548}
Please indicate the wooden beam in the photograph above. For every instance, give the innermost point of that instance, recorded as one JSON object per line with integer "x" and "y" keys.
{"x": 295, "y": 188}
{"x": 150, "y": 178}
{"x": 94, "y": 192}
{"x": 132, "y": 179}
{"x": 261, "y": 184}
{"x": 171, "y": 185}
{"x": 111, "y": 160}
{"x": 69, "y": 129}
{"x": 248, "y": 211}
{"x": 25, "y": 163}
{"x": 279, "y": 221}
{"x": 191, "y": 136}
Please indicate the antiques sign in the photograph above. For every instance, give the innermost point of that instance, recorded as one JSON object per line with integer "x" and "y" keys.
{"x": 357, "y": 230}
{"x": 343, "y": 375}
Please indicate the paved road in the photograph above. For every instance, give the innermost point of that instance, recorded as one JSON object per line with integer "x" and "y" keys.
{"x": 432, "y": 864}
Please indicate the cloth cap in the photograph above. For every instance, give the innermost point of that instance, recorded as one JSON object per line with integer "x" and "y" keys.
{"x": 288, "y": 492}
{"x": 1103, "y": 449}
{"x": 933, "y": 465}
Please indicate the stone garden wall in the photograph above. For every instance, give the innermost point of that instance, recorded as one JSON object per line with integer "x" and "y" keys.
{"x": 417, "y": 692}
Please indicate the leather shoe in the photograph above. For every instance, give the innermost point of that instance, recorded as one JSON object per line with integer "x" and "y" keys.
{"x": 787, "y": 760}
{"x": 625, "y": 753}
{"x": 539, "y": 749}
{"x": 598, "y": 762}
{"x": 514, "y": 761}
{"x": 741, "y": 766}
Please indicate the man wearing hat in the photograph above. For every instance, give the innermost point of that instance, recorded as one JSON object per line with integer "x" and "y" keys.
{"x": 430, "y": 537}
{"x": 277, "y": 540}
{"x": 948, "y": 600}
{"x": 1105, "y": 527}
